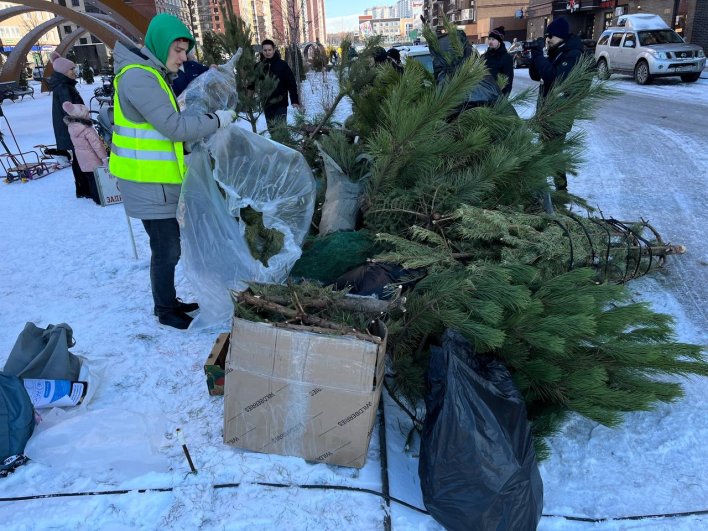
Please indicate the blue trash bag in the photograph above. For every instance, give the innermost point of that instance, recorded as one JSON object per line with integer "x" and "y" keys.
{"x": 477, "y": 467}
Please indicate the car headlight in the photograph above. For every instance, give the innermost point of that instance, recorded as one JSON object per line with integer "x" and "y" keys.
{"x": 659, "y": 55}
{"x": 701, "y": 53}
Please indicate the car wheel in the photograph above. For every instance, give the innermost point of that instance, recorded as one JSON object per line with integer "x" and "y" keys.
{"x": 603, "y": 72}
{"x": 641, "y": 73}
{"x": 690, "y": 78}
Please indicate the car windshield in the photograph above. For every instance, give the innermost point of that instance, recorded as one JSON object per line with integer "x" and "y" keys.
{"x": 426, "y": 60}
{"x": 665, "y": 36}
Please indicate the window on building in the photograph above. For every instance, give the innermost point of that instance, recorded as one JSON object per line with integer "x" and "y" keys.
{"x": 95, "y": 40}
{"x": 75, "y": 3}
{"x": 83, "y": 40}
{"x": 62, "y": 3}
{"x": 216, "y": 17}
{"x": 67, "y": 29}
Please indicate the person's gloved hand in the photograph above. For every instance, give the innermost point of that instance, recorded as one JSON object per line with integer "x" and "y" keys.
{"x": 225, "y": 117}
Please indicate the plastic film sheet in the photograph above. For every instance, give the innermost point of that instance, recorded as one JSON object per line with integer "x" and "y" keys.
{"x": 228, "y": 171}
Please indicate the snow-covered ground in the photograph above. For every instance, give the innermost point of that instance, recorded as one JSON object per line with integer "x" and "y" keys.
{"x": 68, "y": 260}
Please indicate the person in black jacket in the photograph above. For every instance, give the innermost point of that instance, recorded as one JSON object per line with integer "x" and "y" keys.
{"x": 498, "y": 59}
{"x": 564, "y": 52}
{"x": 62, "y": 83}
{"x": 190, "y": 71}
{"x": 277, "y": 107}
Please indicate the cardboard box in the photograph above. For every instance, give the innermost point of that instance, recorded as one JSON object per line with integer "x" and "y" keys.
{"x": 215, "y": 363}
{"x": 295, "y": 392}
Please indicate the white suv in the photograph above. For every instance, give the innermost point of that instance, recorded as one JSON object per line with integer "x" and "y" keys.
{"x": 643, "y": 45}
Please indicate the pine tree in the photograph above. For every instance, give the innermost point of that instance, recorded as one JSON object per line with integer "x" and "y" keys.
{"x": 255, "y": 87}
{"x": 87, "y": 72}
{"x": 456, "y": 196}
{"x": 24, "y": 77}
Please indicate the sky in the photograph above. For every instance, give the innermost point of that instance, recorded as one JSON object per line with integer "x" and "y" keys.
{"x": 340, "y": 8}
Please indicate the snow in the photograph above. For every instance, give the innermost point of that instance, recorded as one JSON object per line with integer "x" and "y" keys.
{"x": 68, "y": 260}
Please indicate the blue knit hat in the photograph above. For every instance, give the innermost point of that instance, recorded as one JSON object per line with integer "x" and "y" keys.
{"x": 558, "y": 28}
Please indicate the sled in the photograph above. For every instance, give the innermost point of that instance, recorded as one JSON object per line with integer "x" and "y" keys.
{"x": 25, "y": 166}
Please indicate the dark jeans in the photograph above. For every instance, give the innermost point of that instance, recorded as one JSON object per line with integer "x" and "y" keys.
{"x": 560, "y": 179}
{"x": 275, "y": 116}
{"x": 166, "y": 250}
{"x": 84, "y": 181}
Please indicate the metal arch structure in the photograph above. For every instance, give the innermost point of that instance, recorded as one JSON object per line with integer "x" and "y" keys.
{"x": 10, "y": 12}
{"x": 122, "y": 13}
{"x": 104, "y": 31}
{"x": 123, "y": 24}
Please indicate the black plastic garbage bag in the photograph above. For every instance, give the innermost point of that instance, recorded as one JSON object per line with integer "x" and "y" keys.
{"x": 477, "y": 466}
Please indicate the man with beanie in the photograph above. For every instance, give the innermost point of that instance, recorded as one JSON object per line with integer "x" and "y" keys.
{"x": 564, "y": 52}
{"x": 498, "y": 59}
{"x": 276, "y": 110}
{"x": 147, "y": 152}
{"x": 62, "y": 83}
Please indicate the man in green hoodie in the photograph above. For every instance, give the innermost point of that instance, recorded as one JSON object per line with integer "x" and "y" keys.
{"x": 147, "y": 151}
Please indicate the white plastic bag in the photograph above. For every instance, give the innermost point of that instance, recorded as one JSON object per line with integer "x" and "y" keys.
{"x": 113, "y": 442}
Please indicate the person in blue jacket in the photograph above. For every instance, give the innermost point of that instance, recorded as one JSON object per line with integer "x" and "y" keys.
{"x": 190, "y": 71}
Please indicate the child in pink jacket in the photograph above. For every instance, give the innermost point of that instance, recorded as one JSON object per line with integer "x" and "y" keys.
{"x": 89, "y": 150}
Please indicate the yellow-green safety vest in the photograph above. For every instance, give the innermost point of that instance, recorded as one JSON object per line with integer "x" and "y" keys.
{"x": 138, "y": 151}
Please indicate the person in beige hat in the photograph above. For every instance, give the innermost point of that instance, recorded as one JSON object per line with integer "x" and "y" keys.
{"x": 62, "y": 83}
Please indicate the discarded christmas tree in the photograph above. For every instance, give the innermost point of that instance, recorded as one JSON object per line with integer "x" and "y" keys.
{"x": 457, "y": 196}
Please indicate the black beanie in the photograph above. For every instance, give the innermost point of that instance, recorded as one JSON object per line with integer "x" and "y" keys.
{"x": 558, "y": 28}
{"x": 498, "y": 33}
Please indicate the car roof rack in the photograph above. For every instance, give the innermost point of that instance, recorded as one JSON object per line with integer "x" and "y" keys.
{"x": 644, "y": 21}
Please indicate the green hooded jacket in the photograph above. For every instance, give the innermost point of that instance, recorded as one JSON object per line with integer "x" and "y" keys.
{"x": 164, "y": 29}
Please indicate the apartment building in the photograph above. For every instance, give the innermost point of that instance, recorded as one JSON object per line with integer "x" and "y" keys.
{"x": 477, "y": 17}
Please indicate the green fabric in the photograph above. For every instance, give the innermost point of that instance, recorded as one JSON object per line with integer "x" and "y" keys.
{"x": 328, "y": 257}
{"x": 163, "y": 30}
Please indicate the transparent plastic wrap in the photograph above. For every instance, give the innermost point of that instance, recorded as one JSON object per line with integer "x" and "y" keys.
{"x": 215, "y": 89}
{"x": 231, "y": 170}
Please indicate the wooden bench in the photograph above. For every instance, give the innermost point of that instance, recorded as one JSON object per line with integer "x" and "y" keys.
{"x": 11, "y": 90}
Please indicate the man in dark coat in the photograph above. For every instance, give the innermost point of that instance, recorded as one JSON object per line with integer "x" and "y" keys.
{"x": 498, "y": 59}
{"x": 564, "y": 52}
{"x": 62, "y": 83}
{"x": 277, "y": 108}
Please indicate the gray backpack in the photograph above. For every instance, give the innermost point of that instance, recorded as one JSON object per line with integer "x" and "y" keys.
{"x": 16, "y": 421}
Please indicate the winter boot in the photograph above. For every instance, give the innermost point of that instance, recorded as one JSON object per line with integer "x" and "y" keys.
{"x": 179, "y": 320}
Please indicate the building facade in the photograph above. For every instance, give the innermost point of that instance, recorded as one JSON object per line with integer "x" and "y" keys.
{"x": 477, "y": 17}
{"x": 589, "y": 18}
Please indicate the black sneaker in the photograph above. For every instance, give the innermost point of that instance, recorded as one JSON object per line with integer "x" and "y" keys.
{"x": 176, "y": 319}
{"x": 186, "y": 307}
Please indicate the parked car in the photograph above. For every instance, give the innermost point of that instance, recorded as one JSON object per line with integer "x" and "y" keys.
{"x": 420, "y": 53}
{"x": 644, "y": 46}
{"x": 521, "y": 58}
